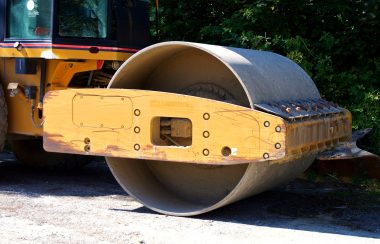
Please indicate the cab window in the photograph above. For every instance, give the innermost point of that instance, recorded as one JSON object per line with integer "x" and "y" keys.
{"x": 29, "y": 19}
{"x": 82, "y": 18}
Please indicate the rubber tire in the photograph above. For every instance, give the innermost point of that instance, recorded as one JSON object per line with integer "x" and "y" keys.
{"x": 31, "y": 153}
{"x": 3, "y": 119}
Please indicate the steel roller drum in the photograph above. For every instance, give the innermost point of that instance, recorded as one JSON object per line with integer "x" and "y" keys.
{"x": 234, "y": 75}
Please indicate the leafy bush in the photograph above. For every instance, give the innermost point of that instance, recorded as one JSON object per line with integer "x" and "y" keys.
{"x": 336, "y": 42}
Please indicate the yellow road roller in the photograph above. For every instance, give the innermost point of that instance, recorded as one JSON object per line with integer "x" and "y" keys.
{"x": 185, "y": 127}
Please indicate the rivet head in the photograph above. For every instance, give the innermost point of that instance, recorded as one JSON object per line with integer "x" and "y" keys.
{"x": 266, "y": 155}
{"x": 266, "y": 123}
{"x": 136, "y": 147}
{"x": 206, "y": 152}
{"x": 206, "y": 116}
{"x": 87, "y": 148}
{"x": 137, "y": 112}
{"x": 206, "y": 134}
{"x": 137, "y": 130}
{"x": 277, "y": 145}
{"x": 87, "y": 140}
{"x": 278, "y": 129}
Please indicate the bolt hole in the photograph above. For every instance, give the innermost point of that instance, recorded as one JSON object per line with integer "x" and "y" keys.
{"x": 137, "y": 130}
{"x": 206, "y": 152}
{"x": 226, "y": 151}
{"x": 277, "y": 145}
{"x": 278, "y": 129}
{"x": 266, "y": 123}
{"x": 206, "y": 134}
{"x": 266, "y": 155}
{"x": 137, "y": 147}
{"x": 137, "y": 112}
{"x": 206, "y": 116}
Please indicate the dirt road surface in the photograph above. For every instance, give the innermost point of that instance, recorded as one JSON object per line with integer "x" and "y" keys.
{"x": 88, "y": 206}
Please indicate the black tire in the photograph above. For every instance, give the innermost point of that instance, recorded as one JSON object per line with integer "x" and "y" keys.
{"x": 31, "y": 153}
{"x": 3, "y": 119}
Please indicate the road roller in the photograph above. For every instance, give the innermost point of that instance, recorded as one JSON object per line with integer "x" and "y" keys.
{"x": 184, "y": 127}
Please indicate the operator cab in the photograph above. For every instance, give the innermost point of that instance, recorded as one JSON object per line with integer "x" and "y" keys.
{"x": 112, "y": 23}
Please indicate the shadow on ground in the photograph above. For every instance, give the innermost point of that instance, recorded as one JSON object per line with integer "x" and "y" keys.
{"x": 92, "y": 180}
{"x": 307, "y": 206}
{"x": 301, "y": 205}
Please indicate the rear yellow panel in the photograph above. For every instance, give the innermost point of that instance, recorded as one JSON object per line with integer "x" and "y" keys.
{"x": 19, "y": 108}
{"x": 58, "y": 76}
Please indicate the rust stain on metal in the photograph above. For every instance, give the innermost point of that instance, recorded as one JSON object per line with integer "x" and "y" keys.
{"x": 114, "y": 148}
{"x": 160, "y": 154}
{"x": 148, "y": 147}
{"x": 52, "y": 135}
{"x": 54, "y": 145}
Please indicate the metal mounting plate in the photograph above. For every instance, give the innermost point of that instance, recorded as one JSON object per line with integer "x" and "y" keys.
{"x": 300, "y": 109}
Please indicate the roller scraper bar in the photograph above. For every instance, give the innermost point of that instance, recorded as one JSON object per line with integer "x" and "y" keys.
{"x": 300, "y": 109}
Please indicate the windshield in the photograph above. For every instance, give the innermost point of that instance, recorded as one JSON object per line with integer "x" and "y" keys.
{"x": 29, "y": 19}
{"x": 83, "y": 18}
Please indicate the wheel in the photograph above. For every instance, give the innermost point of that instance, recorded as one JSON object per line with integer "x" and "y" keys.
{"x": 3, "y": 118}
{"x": 238, "y": 76}
{"x": 31, "y": 153}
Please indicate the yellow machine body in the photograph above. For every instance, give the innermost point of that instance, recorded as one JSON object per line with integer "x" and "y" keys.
{"x": 136, "y": 123}
{"x": 185, "y": 128}
{"x": 60, "y": 70}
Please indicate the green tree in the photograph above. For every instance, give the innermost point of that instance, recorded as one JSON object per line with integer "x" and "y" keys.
{"x": 337, "y": 42}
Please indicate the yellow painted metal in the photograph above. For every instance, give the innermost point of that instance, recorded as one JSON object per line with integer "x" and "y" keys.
{"x": 59, "y": 73}
{"x": 64, "y": 71}
{"x": 94, "y": 111}
{"x": 109, "y": 119}
{"x": 317, "y": 134}
{"x": 124, "y": 123}
{"x": 19, "y": 108}
{"x": 67, "y": 53}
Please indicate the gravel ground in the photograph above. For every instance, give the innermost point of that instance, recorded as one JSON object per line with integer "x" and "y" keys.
{"x": 88, "y": 206}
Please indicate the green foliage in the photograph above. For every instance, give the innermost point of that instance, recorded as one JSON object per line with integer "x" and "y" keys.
{"x": 372, "y": 186}
{"x": 336, "y": 42}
